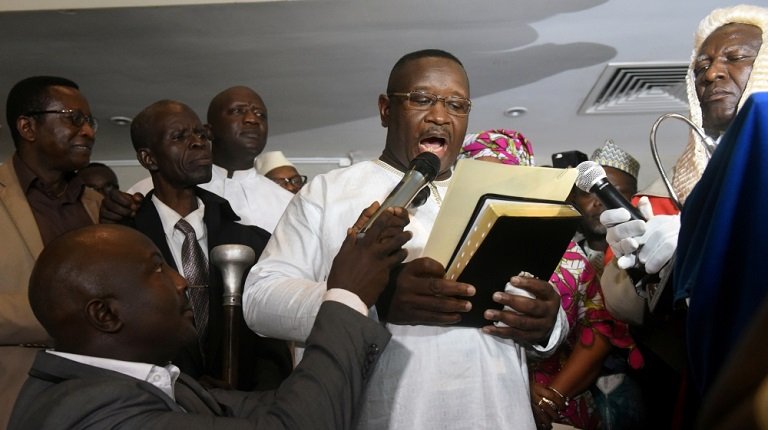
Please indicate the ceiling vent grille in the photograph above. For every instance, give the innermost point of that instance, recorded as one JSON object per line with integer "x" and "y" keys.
{"x": 638, "y": 88}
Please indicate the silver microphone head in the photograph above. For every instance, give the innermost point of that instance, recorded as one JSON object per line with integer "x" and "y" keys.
{"x": 589, "y": 173}
{"x": 428, "y": 164}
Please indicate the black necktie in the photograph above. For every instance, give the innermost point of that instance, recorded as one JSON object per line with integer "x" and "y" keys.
{"x": 196, "y": 272}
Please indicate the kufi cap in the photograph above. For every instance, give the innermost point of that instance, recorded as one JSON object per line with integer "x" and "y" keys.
{"x": 270, "y": 160}
{"x": 510, "y": 146}
{"x": 612, "y": 156}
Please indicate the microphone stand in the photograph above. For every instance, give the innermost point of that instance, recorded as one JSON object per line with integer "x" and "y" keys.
{"x": 232, "y": 260}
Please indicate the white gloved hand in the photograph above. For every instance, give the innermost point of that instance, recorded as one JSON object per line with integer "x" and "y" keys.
{"x": 659, "y": 242}
{"x": 624, "y": 234}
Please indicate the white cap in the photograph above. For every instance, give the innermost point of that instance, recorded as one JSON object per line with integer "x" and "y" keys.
{"x": 270, "y": 160}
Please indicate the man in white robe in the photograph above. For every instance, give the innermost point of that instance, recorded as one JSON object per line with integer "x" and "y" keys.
{"x": 433, "y": 375}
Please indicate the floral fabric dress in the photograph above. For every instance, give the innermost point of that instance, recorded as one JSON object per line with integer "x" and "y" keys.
{"x": 582, "y": 300}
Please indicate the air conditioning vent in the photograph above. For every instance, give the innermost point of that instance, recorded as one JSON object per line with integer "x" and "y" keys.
{"x": 638, "y": 88}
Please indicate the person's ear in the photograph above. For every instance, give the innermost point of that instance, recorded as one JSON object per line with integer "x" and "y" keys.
{"x": 147, "y": 159}
{"x": 26, "y": 127}
{"x": 384, "y": 110}
{"x": 103, "y": 315}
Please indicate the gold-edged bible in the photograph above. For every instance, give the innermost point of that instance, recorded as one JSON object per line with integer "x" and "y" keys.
{"x": 542, "y": 218}
{"x": 505, "y": 236}
{"x": 531, "y": 227}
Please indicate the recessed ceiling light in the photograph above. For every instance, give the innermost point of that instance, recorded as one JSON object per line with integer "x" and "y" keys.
{"x": 515, "y": 112}
{"x": 121, "y": 120}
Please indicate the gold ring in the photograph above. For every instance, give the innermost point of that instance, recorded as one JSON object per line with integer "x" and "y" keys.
{"x": 550, "y": 403}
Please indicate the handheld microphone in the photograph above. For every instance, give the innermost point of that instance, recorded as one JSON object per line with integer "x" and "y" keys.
{"x": 592, "y": 179}
{"x": 422, "y": 170}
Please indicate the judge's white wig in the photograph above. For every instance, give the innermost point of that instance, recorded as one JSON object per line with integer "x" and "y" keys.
{"x": 690, "y": 166}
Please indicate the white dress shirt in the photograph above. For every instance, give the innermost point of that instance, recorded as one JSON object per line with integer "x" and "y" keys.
{"x": 254, "y": 198}
{"x": 174, "y": 237}
{"x": 429, "y": 377}
{"x": 163, "y": 378}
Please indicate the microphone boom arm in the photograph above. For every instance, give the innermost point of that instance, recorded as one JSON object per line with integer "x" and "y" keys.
{"x": 709, "y": 146}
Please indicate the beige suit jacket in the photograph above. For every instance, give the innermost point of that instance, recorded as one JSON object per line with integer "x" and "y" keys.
{"x": 21, "y": 244}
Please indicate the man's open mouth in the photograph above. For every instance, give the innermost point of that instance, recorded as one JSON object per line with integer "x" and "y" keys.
{"x": 432, "y": 144}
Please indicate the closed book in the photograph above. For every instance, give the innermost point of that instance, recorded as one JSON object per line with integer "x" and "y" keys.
{"x": 515, "y": 242}
{"x": 506, "y": 236}
{"x": 472, "y": 179}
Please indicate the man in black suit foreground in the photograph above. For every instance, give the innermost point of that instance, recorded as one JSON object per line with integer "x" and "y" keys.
{"x": 119, "y": 313}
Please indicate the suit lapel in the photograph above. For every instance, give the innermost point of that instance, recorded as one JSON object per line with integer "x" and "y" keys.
{"x": 92, "y": 202}
{"x": 195, "y": 399}
{"x": 147, "y": 221}
{"x": 15, "y": 202}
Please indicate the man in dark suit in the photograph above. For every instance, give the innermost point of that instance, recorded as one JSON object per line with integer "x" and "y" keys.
{"x": 171, "y": 143}
{"x": 121, "y": 314}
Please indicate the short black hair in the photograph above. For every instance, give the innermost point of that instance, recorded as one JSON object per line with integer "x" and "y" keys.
{"x": 28, "y": 95}
{"x": 417, "y": 55}
{"x": 141, "y": 127}
{"x": 95, "y": 164}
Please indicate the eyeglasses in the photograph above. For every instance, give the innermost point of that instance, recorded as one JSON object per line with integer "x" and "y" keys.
{"x": 296, "y": 181}
{"x": 458, "y": 106}
{"x": 78, "y": 118}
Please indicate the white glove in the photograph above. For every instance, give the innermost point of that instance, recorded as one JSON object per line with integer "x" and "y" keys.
{"x": 659, "y": 242}
{"x": 624, "y": 234}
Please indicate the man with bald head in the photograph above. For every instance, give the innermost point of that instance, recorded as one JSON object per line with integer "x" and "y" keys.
{"x": 237, "y": 121}
{"x": 186, "y": 222}
{"x": 122, "y": 314}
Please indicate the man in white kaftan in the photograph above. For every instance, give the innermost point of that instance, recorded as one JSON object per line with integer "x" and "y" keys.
{"x": 430, "y": 376}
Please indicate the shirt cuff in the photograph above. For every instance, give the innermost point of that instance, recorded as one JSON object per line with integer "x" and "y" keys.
{"x": 559, "y": 332}
{"x": 348, "y": 298}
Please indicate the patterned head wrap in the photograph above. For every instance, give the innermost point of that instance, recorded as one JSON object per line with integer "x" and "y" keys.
{"x": 509, "y": 146}
{"x": 690, "y": 166}
{"x": 611, "y": 155}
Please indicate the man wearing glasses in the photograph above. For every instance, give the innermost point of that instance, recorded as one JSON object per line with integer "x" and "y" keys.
{"x": 435, "y": 375}
{"x": 40, "y": 198}
{"x": 275, "y": 167}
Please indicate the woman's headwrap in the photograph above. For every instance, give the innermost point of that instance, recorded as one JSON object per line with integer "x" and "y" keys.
{"x": 509, "y": 146}
{"x": 691, "y": 164}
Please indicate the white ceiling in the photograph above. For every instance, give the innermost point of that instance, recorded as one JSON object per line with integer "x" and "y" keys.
{"x": 320, "y": 65}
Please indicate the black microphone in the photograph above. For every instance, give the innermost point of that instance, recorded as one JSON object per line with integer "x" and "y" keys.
{"x": 422, "y": 170}
{"x": 592, "y": 179}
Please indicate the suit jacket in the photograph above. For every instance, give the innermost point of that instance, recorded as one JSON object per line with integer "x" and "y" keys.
{"x": 21, "y": 244}
{"x": 264, "y": 362}
{"x": 324, "y": 391}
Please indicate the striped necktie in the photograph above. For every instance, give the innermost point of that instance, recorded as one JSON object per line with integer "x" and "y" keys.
{"x": 196, "y": 272}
